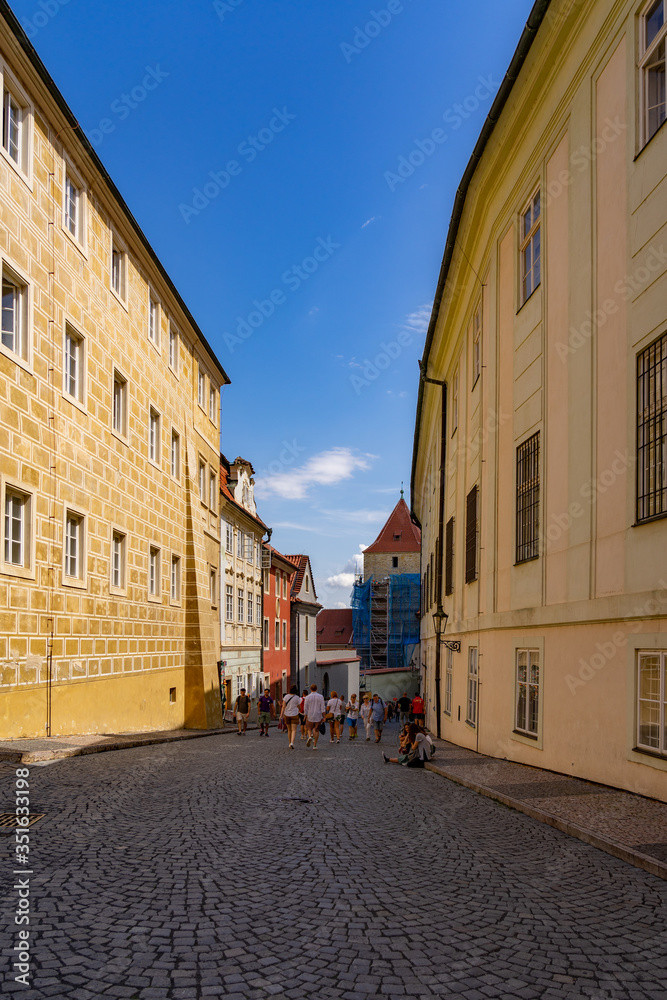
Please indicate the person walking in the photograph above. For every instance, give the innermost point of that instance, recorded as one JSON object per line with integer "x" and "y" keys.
{"x": 404, "y": 708}
{"x": 314, "y": 708}
{"x": 242, "y": 711}
{"x": 302, "y": 714}
{"x": 265, "y": 710}
{"x": 378, "y": 715}
{"x": 365, "y": 713}
{"x": 418, "y": 709}
{"x": 290, "y": 713}
{"x": 352, "y": 709}
{"x": 335, "y": 716}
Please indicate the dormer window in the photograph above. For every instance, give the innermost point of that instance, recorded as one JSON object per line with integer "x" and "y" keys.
{"x": 307, "y": 584}
{"x": 398, "y": 536}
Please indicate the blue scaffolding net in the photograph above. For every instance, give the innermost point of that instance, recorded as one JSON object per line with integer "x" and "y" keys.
{"x": 385, "y": 615}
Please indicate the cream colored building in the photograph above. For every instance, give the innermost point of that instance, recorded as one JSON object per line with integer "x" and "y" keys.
{"x": 543, "y": 504}
{"x": 242, "y": 597}
{"x": 109, "y": 445}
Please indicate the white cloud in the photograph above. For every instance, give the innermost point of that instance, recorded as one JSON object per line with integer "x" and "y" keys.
{"x": 295, "y": 527}
{"x": 373, "y": 218}
{"x": 358, "y": 516}
{"x": 341, "y": 580}
{"x": 326, "y": 469}
{"x": 417, "y": 322}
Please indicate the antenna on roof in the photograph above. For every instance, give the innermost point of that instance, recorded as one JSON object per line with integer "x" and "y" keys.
{"x": 401, "y": 490}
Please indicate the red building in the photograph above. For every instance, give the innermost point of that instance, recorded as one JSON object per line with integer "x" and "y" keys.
{"x": 277, "y": 578}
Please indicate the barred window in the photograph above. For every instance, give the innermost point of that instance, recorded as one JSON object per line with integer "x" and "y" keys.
{"x": 652, "y": 431}
{"x": 528, "y": 499}
{"x": 471, "y": 535}
{"x": 449, "y": 557}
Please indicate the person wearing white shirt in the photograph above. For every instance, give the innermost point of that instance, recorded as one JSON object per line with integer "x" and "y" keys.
{"x": 314, "y": 708}
{"x": 335, "y": 709}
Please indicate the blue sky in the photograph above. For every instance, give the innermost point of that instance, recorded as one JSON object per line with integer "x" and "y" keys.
{"x": 284, "y": 169}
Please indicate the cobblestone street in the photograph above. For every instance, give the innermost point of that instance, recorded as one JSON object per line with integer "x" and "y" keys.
{"x": 192, "y": 870}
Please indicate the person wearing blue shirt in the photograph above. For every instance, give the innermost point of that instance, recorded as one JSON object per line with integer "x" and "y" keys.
{"x": 378, "y": 715}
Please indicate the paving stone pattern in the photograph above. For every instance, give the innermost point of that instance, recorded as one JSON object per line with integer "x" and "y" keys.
{"x": 171, "y": 872}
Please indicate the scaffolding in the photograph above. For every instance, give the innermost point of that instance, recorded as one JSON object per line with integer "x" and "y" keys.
{"x": 385, "y": 619}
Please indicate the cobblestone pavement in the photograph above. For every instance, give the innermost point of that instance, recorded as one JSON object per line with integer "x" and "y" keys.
{"x": 191, "y": 870}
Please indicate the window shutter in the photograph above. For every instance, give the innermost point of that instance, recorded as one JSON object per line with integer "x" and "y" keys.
{"x": 449, "y": 557}
{"x": 471, "y": 535}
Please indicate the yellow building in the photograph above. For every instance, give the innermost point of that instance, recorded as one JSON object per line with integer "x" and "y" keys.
{"x": 540, "y": 461}
{"x": 109, "y": 445}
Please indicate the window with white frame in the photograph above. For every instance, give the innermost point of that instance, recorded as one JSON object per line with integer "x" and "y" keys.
{"x": 307, "y": 628}
{"x": 477, "y": 344}
{"x": 153, "y": 571}
{"x": 455, "y": 401}
{"x": 240, "y": 543}
{"x": 471, "y": 708}
{"x": 249, "y": 548}
{"x": 153, "y": 435}
{"x": 277, "y": 634}
{"x": 202, "y": 481}
{"x": 74, "y": 545}
{"x": 250, "y": 607}
{"x": 652, "y": 701}
{"x": 118, "y": 541}
{"x": 175, "y": 579}
{"x": 526, "y": 718}
{"x": 530, "y": 247}
{"x": 118, "y": 270}
{"x": 284, "y": 585}
{"x": 73, "y": 209}
{"x": 213, "y": 492}
{"x": 653, "y": 39}
{"x": 74, "y": 368}
{"x": 213, "y": 586}
{"x": 277, "y": 584}
{"x": 175, "y": 455}
{"x": 449, "y": 677}
{"x": 14, "y": 313}
{"x": 119, "y": 414}
{"x": 229, "y": 602}
{"x": 258, "y": 607}
{"x": 241, "y": 604}
{"x": 211, "y": 403}
{"x": 173, "y": 349}
{"x": 17, "y": 528}
{"x": 284, "y": 634}
{"x": 265, "y": 634}
{"x": 229, "y": 541}
{"x": 201, "y": 385}
{"x": 153, "y": 321}
{"x": 15, "y": 127}
{"x": 267, "y": 581}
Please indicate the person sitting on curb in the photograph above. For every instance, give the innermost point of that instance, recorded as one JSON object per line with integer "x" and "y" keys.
{"x": 417, "y": 751}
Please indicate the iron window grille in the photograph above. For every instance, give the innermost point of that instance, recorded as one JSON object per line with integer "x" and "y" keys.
{"x": 528, "y": 499}
{"x": 471, "y": 535}
{"x": 652, "y": 431}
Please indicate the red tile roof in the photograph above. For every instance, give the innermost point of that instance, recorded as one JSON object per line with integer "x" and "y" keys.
{"x": 334, "y": 627}
{"x": 286, "y": 561}
{"x": 399, "y": 534}
{"x": 301, "y": 562}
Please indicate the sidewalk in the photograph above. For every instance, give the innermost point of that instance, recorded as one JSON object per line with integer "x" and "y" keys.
{"x": 628, "y": 826}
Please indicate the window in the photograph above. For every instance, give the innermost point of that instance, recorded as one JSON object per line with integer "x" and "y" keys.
{"x": 153, "y": 572}
{"x": 173, "y": 349}
{"x": 175, "y": 590}
{"x": 154, "y": 435}
{"x": 202, "y": 481}
{"x": 471, "y": 712}
{"x": 477, "y": 344}
{"x": 230, "y": 538}
{"x": 258, "y": 608}
{"x": 449, "y": 557}
{"x": 249, "y": 547}
{"x": 118, "y": 560}
{"x": 118, "y": 266}
{"x": 229, "y": 602}
{"x": 652, "y": 431}
{"x": 240, "y": 605}
{"x": 74, "y": 540}
{"x": 15, "y": 128}
{"x": 267, "y": 581}
{"x": 73, "y": 209}
{"x": 212, "y": 492}
{"x": 528, "y": 499}
{"x": 265, "y": 634}
{"x": 449, "y": 674}
{"x": 213, "y": 587}
{"x": 284, "y": 634}
{"x": 652, "y": 68}
{"x": 307, "y": 629}
{"x": 277, "y": 583}
{"x": 455, "y": 401}
{"x": 153, "y": 321}
{"x": 471, "y": 535}
{"x": 307, "y": 583}
{"x": 200, "y": 387}
{"x": 211, "y": 404}
{"x": 527, "y": 691}
{"x": 119, "y": 404}
{"x": 175, "y": 455}
{"x": 17, "y": 528}
{"x": 240, "y": 543}
{"x": 530, "y": 247}
{"x": 284, "y": 586}
{"x": 74, "y": 365}
{"x": 14, "y": 313}
{"x": 394, "y": 562}
{"x": 277, "y": 634}
{"x": 249, "y": 608}
{"x": 652, "y": 702}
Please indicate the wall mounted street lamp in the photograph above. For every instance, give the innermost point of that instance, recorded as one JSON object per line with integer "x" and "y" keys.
{"x": 440, "y": 621}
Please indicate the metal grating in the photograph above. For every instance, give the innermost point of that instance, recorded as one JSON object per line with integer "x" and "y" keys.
{"x": 652, "y": 431}
{"x": 8, "y": 821}
{"x": 528, "y": 499}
